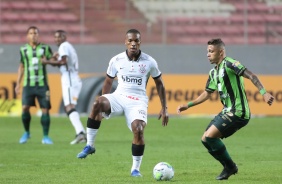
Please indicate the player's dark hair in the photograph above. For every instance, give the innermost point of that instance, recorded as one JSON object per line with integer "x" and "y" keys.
{"x": 62, "y": 32}
{"x": 134, "y": 31}
{"x": 217, "y": 42}
{"x": 32, "y": 27}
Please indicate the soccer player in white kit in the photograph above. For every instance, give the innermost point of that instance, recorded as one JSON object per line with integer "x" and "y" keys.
{"x": 67, "y": 60}
{"x": 133, "y": 69}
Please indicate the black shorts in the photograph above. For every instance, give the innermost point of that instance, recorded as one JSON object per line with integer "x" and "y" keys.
{"x": 42, "y": 94}
{"x": 228, "y": 123}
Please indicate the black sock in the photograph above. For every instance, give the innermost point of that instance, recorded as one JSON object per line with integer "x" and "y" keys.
{"x": 137, "y": 150}
{"x": 91, "y": 123}
{"x": 26, "y": 120}
{"x": 45, "y": 122}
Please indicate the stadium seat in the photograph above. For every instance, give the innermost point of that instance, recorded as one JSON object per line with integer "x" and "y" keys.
{"x": 257, "y": 30}
{"x": 194, "y": 30}
{"x": 277, "y": 8}
{"x": 238, "y": 40}
{"x": 10, "y": 16}
{"x": 255, "y": 19}
{"x": 256, "y": 39}
{"x": 5, "y": 28}
{"x": 76, "y": 28}
{"x": 67, "y": 17}
{"x": 273, "y": 18}
{"x": 57, "y": 6}
{"x": 30, "y": 17}
{"x": 5, "y": 5}
{"x": 220, "y": 20}
{"x": 20, "y": 28}
{"x": 237, "y": 19}
{"x": 232, "y": 30}
{"x": 240, "y": 6}
{"x": 19, "y": 5}
{"x": 175, "y": 30}
{"x": 38, "y": 6}
{"x": 213, "y": 30}
{"x": 200, "y": 20}
{"x": 44, "y": 28}
{"x": 48, "y": 17}
{"x": 14, "y": 39}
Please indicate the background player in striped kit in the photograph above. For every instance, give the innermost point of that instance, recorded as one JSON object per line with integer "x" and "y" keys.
{"x": 35, "y": 84}
{"x": 67, "y": 60}
{"x": 227, "y": 78}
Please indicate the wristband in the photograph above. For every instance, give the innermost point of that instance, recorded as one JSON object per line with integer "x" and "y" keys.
{"x": 262, "y": 91}
{"x": 190, "y": 104}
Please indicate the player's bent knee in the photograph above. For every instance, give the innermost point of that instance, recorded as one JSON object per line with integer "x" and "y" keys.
{"x": 138, "y": 129}
{"x": 100, "y": 102}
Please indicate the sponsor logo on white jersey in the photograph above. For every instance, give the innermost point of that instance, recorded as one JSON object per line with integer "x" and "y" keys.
{"x": 132, "y": 79}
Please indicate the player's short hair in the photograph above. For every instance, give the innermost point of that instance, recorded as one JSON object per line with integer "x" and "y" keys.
{"x": 32, "y": 27}
{"x": 134, "y": 31}
{"x": 217, "y": 42}
{"x": 62, "y": 32}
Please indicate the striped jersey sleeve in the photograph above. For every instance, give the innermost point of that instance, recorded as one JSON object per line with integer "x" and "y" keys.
{"x": 211, "y": 84}
{"x": 235, "y": 66}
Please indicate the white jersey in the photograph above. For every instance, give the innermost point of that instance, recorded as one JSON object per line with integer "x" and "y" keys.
{"x": 133, "y": 75}
{"x": 70, "y": 70}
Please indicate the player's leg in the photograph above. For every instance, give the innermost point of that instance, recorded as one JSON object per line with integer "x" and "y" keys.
{"x": 138, "y": 146}
{"x": 70, "y": 96}
{"x": 26, "y": 118}
{"x": 28, "y": 99}
{"x": 222, "y": 126}
{"x": 102, "y": 104}
{"x": 43, "y": 96}
{"x": 136, "y": 117}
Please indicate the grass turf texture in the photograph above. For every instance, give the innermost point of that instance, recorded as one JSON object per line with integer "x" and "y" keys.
{"x": 256, "y": 149}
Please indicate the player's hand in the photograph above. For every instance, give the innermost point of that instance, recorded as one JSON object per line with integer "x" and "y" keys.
{"x": 17, "y": 89}
{"x": 43, "y": 60}
{"x": 56, "y": 55}
{"x": 164, "y": 115}
{"x": 268, "y": 98}
{"x": 181, "y": 108}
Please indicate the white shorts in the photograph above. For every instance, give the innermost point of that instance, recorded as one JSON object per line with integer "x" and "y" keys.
{"x": 132, "y": 107}
{"x": 71, "y": 93}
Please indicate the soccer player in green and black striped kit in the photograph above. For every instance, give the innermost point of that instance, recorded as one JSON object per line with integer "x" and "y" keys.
{"x": 226, "y": 78}
{"x": 35, "y": 83}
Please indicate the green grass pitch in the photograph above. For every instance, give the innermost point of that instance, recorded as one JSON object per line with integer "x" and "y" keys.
{"x": 257, "y": 150}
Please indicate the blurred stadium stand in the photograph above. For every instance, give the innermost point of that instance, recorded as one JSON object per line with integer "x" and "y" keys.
{"x": 160, "y": 21}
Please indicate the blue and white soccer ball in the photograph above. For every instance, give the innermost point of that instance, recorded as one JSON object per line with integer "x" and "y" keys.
{"x": 163, "y": 171}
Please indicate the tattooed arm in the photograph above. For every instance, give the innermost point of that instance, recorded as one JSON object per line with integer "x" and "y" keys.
{"x": 268, "y": 98}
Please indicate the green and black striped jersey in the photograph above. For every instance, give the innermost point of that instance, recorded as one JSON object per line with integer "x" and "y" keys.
{"x": 35, "y": 73}
{"x": 228, "y": 81}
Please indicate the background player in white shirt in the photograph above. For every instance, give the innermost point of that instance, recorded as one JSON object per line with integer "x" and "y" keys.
{"x": 71, "y": 84}
{"x": 133, "y": 69}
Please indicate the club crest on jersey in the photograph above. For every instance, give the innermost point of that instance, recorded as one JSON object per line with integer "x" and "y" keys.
{"x": 142, "y": 68}
{"x": 41, "y": 51}
{"x": 236, "y": 64}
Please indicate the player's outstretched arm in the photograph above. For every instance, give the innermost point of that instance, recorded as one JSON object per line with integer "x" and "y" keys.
{"x": 268, "y": 98}
{"x": 161, "y": 92}
{"x": 203, "y": 97}
{"x": 53, "y": 61}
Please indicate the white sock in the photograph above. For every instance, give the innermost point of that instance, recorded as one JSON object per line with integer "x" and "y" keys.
{"x": 76, "y": 123}
{"x": 91, "y": 135}
{"x": 136, "y": 162}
